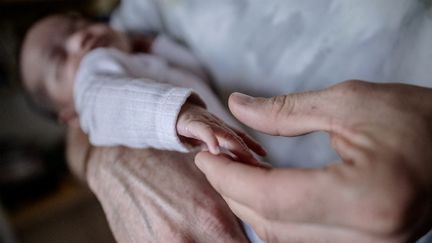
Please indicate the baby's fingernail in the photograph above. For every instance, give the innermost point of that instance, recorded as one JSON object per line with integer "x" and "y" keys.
{"x": 261, "y": 164}
{"x": 258, "y": 163}
{"x": 242, "y": 98}
{"x": 204, "y": 148}
{"x": 264, "y": 165}
{"x": 216, "y": 150}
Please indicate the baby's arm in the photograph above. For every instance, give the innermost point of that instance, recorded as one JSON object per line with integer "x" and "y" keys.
{"x": 197, "y": 126}
{"x": 116, "y": 108}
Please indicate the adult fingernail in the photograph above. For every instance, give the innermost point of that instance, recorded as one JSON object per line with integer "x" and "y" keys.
{"x": 261, "y": 164}
{"x": 199, "y": 163}
{"x": 265, "y": 165}
{"x": 242, "y": 98}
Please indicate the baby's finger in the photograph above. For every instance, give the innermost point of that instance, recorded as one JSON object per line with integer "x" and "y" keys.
{"x": 251, "y": 143}
{"x": 206, "y": 134}
{"x": 233, "y": 143}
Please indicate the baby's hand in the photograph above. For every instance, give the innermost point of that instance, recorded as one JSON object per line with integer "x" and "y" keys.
{"x": 197, "y": 126}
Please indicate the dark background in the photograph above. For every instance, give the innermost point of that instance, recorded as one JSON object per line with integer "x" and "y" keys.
{"x": 40, "y": 201}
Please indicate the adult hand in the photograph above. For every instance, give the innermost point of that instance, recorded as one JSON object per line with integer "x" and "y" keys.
{"x": 152, "y": 196}
{"x": 381, "y": 190}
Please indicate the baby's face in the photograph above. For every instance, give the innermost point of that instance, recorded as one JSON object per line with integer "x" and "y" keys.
{"x": 53, "y": 50}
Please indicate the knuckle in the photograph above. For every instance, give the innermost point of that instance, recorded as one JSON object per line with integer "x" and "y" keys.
{"x": 353, "y": 84}
{"x": 393, "y": 213}
{"x": 281, "y": 106}
{"x": 207, "y": 128}
{"x": 352, "y": 87}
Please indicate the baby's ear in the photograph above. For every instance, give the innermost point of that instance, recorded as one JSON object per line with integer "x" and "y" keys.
{"x": 69, "y": 117}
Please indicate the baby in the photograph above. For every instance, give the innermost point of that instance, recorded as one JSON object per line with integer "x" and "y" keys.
{"x": 134, "y": 91}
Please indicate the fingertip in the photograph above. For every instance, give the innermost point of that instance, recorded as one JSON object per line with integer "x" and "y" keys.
{"x": 260, "y": 164}
{"x": 213, "y": 145}
{"x": 212, "y": 165}
{"x": 240, "y": 98}
{"x": 215, "y": 150}
{"x": 265, "y": 165}
{"x": 200, "y": 159}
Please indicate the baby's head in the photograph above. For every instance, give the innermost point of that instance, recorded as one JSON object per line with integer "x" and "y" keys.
{"x": 51, "y": 53}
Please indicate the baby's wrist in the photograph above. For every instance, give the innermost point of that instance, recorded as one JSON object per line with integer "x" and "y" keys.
{"x": 194, "y": 99}
{"x": 193, "y": 104}
{"x": 188, "y": 109}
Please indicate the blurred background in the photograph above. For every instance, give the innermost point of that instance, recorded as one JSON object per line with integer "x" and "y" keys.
{"x": 40, "y": 201}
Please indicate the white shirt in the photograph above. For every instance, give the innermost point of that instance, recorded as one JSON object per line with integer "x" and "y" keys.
{"x": 268, "y": 48}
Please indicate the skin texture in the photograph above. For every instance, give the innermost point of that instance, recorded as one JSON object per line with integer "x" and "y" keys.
{"x": 53, "y": 50}
{"x": 381, "y": 191}
{"x": 152, "y": 196}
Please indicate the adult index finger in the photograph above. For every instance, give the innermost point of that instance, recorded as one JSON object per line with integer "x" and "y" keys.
{"x": 272, "y": 193}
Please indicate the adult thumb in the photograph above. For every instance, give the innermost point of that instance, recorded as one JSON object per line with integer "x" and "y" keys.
{"x": 287, "y": 115}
